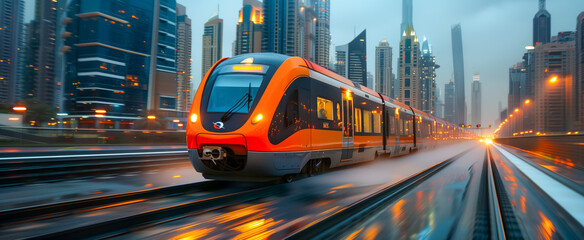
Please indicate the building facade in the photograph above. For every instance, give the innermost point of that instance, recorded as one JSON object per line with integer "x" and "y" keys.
{"x": 212, "y": 43}
{"x": 428, "y": 68}
{"x": 11, "y": 29}
{"x": 383, "y": 69}
{"x": 352, "y": 59}
{"x": 449, "y": 98}
{"x": 111, "y": 58}
{"x": 476, "y": 100}
{"x": 183, "y": 66}
{"x": 555, "y": 94}
{"x": 322, "y": 41}
{"x": 580, "y": 64}
{"x": 248, "y": 38}
{"x": 458, "y": 63}
{"x": 409, "y": 69}
{"x": 283, "y": 27}
{"x": 38, "y": 82}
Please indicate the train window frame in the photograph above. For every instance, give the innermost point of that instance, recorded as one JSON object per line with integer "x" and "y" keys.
{"x": 292, "y": 106}
{"x": 367, "y": 128}
{"x": 358, "y": 126}
{"x": 324, "y": 108}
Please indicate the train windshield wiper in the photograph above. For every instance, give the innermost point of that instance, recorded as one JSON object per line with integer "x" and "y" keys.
{"x": 238, "y": 105}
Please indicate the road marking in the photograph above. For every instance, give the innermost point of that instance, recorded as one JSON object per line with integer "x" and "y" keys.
{"x": 567, "y": 198}
{"x": 93, "y": 155}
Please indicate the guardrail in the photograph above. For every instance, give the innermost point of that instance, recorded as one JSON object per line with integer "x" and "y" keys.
{"x": 20, "y": 135}
{"x": 568, "y": 149}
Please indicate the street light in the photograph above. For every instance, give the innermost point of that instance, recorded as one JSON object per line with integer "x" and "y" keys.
{"x": 21, "y": 109}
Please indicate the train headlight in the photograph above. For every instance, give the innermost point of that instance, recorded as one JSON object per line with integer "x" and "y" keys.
{"x": 194, "y": 118}
{"x": 257, "y": 118}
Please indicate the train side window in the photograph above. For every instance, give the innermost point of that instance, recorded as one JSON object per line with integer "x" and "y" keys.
{"x": 377, "y": 121}
{"x": 366, "y": 121}
{"x": 291, "y": 113}
{"x": 338, "y": 112}
{"x": 358, "y": 125}
{"x": 324, "y": 108}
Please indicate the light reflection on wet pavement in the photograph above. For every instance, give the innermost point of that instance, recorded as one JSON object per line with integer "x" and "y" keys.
{"x": 308, "y": 200}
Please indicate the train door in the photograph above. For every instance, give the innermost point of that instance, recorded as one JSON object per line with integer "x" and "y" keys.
{"x": 347, "y": 152}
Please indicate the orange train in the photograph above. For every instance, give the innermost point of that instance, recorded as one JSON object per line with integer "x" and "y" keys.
{"x": 263, "y": 115}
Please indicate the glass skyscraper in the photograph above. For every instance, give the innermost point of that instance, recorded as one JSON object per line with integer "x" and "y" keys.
{"x": 108, "y": 46}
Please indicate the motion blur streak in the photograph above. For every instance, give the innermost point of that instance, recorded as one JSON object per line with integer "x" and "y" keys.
{"x": 372, "y": 232}
{"x": 257, "y": 229}
{"x": 118, "y": 204}
{"x": 195, "y": 234}
{"x": 397, "y": 211}
{"x": 343, "y": 186}
{"x": 353, "y": 235}
{"x": 547, "y": 228}
{"x": 240, "y": 213}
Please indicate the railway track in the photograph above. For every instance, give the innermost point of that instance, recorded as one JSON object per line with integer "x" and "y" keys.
{"x": 191, "y": 199}
{"x": 497, "y": 215}
{"x": 23, "y": 169}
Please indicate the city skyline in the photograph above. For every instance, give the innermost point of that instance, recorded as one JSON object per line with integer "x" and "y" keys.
{"x": 481, "y": 21}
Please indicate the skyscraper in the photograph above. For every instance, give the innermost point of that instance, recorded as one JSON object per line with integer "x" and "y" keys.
{"x": 113, "y": 51}
{"x": 409, "y": 57}
{"x": 555, "y": 92}
{"x": 183, "y": 46}
{"x": 518, "y": 79}
{"x": 458, "y": 63}
{"x": 449, "y": 97}
{"x": 407, "y": 15}
{"x": 11, "y": 18}
{"x": 322, "y": 41}
{"x": 309, "y": 35}
{"x": 428, "y": 78}
{"x": 212, "y": 42}
{"x": 580, "y": 64}
{"x": 352, "y": 59}
{"x": 541, "y": 25}
{"x": 39, "y": 74}
{"x": 476, "y": 99}
{"x": 383, "y": 80}
{"x": 283, "y": 27}
{"x": 162, "y": 91}
{"x": 249, "y": 28}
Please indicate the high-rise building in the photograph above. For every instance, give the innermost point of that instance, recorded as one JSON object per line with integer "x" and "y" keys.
{"x": 476, "y": 99}
{"x": 162, "y": 92}
{"x": 183, "y": 66}
{"x": 212, "y": 42}
{"x": 555, "y": 94}
{"x": 39, "y": 74}
{"x": 407, "y": 15}
{"x": 309, "y": 35}
{"x": 428, "y": 68}
{"x": 439, "y": 108}
{"x": 518, "y": 80}
{"x": 11, "y": 23}
{"x": 449, "y": 98}
{"x": 283, "y": 27}
{"x": 249, "y": 28}
{"x": 322, "y": 40}
{"x": 458, "y": 63}
{"x": 580, "y": 65}
{"x": 113, "y": 51}
{"x": 352, "y": 59}
{"x": 383, "y": 72}
{"x": 409, "y": 57}
{"x": 541, "y": 25}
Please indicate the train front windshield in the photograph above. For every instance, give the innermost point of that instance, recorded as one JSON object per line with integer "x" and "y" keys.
{"x": 229, "y": 89}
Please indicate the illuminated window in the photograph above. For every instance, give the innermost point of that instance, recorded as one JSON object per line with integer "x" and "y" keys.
{"x": 325, "y": 108}
{"x": 358, "y": 120}
{"x": 366, "y": 121}
{"x": 377, "y": 122}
